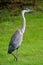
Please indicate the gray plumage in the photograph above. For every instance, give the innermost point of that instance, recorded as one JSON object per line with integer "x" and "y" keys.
{"x": 15, "y": 41}
{"x": 17, "y": 37}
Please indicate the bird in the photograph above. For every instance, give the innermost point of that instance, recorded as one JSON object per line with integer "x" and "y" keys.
{"x": 17, "y": 37}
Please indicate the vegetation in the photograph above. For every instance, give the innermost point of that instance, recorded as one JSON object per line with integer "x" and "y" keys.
{"x": 31, "y": 50}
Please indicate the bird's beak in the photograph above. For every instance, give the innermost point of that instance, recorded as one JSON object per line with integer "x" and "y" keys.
{"x": 30, "y": 10}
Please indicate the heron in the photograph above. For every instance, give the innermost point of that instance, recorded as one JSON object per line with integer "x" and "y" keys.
{"x": 17, "y": 37}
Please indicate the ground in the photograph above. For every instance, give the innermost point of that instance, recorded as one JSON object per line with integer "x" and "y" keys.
{"x": 31, "y": 49}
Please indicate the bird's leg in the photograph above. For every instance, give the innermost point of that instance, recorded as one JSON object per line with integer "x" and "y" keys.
{"x": 17, "y": 54}
{"x": 14, "y": 56}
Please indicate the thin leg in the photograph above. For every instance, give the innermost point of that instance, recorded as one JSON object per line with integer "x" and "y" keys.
{"x": 16, "y": 56}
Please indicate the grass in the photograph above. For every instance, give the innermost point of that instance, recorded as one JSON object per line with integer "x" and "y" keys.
{"x": 31, "y": 50}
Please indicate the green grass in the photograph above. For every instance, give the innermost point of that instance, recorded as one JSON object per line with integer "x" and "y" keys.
{"x": 31, "y": 50}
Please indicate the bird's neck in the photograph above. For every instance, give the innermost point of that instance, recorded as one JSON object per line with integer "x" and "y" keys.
{"x": 23, "y": 23}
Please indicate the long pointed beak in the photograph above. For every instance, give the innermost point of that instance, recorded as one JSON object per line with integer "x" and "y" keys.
{"x": 30, "y": 10}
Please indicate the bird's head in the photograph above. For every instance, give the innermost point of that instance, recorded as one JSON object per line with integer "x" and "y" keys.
{"x": 26, "y": 10}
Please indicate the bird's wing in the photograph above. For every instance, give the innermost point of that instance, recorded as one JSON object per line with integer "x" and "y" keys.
{"x": 16, "y": 39}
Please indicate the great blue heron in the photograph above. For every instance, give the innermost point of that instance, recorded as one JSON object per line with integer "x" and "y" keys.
{"x": 17, "y": 37}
